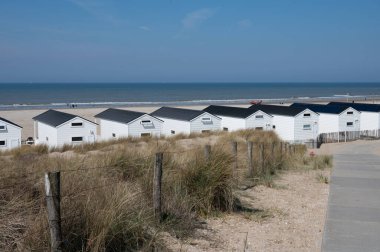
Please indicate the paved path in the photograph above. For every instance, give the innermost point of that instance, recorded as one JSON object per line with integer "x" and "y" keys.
{"x": 353, "y": 214}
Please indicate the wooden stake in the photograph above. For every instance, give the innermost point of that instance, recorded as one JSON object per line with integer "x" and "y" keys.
{"x": 262, "y": 157}
{"x": 250, "y": 161}
{"x": 53, "y": 205}
{"x": 157, "y": 181}
{"x": 207, "y": 152}
{"x": 234, "y": 153}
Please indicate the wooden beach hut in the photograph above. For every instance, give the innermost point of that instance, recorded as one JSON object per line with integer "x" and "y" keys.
{"x": 369, "y": 114}
{"x": 296, "y": 125}
{"x": 118, "y": 123}
{"x": 334, "y": 118}
{"x": 55, "y": 129}
{"x": 235, "y": 118}
{"x": 10, "y": 134}
{"x": 186, "y": 121}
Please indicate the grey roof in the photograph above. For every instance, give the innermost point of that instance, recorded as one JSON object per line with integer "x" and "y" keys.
{"x": 230, "y": 111}
{"x": 55, "y": 118}
{"x": 320, "y": 108}
{"x": 120, "y": 115}
{"x": 358, "y": 106}
{"x": 177, "y": 113}
{"x": 277, "y": 109}
{"x": 7, "y": 121}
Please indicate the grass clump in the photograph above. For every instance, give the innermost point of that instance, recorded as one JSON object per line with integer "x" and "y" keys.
{"x": 107, "y": 188}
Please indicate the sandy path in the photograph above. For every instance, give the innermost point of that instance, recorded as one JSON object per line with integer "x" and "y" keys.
{"x": 296, "y": 207}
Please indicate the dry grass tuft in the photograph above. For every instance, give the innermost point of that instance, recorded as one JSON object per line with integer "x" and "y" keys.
{"x": 106, "y": 188}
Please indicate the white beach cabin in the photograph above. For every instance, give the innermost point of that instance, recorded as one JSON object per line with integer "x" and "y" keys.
{"x": 235, "y": 118}
{"x": 10, "y": 135}
{"x": 119, "y": 123}
{"x": 369, "y": 114}
{"x": 186, "y": 121}
{"x": 55, "y": 129}
{"x": 296, "y": 125}
{"x": 334, "y": 118}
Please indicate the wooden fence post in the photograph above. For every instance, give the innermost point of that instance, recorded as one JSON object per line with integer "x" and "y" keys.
{"x": 345, "y": 136}
{"x": 53, "y": 205}
{"x": 207, "y": 152}
{"x": 234, "y": 153}
{"x": 262, "y": 157}
{"x": 250, "y": 161}
{"x": 157, "y": 180}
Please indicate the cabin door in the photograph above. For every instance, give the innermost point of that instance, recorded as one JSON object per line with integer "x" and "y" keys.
{"x": 14, "y": 143}
{"x": 91, "y": 138}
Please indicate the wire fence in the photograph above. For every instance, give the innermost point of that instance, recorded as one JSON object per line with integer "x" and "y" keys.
{"x": 263, "y": 152}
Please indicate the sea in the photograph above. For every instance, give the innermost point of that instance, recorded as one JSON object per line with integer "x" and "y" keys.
{"x": 85, "y": 95}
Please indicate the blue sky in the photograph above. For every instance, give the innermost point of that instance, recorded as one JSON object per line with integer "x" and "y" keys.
{"x": 186, "y": 41}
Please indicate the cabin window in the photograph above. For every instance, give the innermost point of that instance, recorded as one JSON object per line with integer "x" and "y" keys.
{"x": 206, "y": 120}
{"x": 350, "y": 124}
{"x": 113, "y": 135}
{"x": 76, "y": 124}
{"x": 259, "y": 128}
{"x": 350, "y": 112}
{"x": 3, "y": 143}
{"x": 225, "y": 129}
{"x": 146, "y": 122}
{"x": 77, "y": 139}
{"x": 145, "y": 134}
{"x": 274, "y": 126}
{"x": 172, "y": 132}
{"x": 3, "y": 127}
{"x": 259, "y": 117}
{"x": 306, "y": 126}
{"x": 306, "y": 115}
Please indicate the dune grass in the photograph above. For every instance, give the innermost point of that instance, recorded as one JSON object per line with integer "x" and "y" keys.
{"x": 106, "y": 188}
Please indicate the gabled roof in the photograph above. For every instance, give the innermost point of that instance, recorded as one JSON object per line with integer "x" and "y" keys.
{"x": 120, "y": 115}
{"x": 178, "y": 113}
{"x": 55, "y": 118}
{"x": 230, "y": 111}
{"x": 320, "y": 108}
{"x": 7, "y": 121}
{"x": 278, "y": 110}
{"x": 358, "y": 106}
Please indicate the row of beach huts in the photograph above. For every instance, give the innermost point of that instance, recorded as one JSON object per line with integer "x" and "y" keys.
{"x": 297, "y": 123}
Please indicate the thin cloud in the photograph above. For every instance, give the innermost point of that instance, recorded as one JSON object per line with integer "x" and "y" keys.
{"x": 245, "y": 23}
{"x": 144, "y": 28}
{"x": 97, "y": 9}
{"x": 196, "y": 18}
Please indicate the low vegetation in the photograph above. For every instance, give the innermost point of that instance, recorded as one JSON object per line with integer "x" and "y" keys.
{"x": 106, "y": 188}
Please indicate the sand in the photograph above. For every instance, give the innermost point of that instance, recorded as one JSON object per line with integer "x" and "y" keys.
{"x": 24, "y": 117}
{"x": 292, "y": 219}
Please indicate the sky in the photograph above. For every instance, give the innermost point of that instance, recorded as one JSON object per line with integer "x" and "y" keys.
{"x": 189, "y": 41}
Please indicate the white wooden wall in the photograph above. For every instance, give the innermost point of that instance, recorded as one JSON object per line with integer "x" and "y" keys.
{"x": 46, "y": 134}
{"x": 136, "y": 128}
{"x": 107, "y": 128}
{"x": 284, "y": 127}
{"x": 11, "y": 136}
{"x": 328, "y": 123}
{"x": 197, "y": 125}
{"x": 369, "y": 120}
{"x": 180, "y": 127}
{"x": 344, "y": 118}
{"x": 300, "y": 133}
{"x": 65, "y": 132}
{"x": 232, "y": 123}
{"x": 252, "y": 122}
